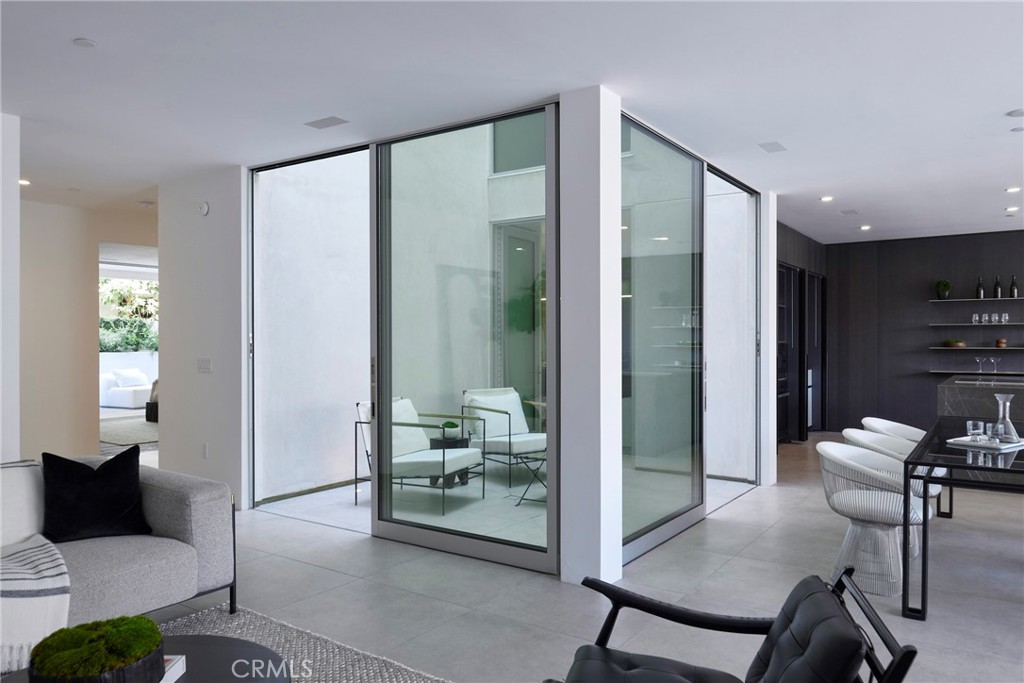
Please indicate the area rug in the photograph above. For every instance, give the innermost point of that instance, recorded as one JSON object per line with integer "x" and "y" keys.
{"x": 327, "y": 661}
{"x": 126, "y": 431}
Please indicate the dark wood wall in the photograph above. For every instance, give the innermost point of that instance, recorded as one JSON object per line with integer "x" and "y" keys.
{"x": 796, "y": 249}
{"x": 878, "y": 318}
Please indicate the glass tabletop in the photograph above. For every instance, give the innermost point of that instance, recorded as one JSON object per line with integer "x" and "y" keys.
{"x": 965, "y": 466}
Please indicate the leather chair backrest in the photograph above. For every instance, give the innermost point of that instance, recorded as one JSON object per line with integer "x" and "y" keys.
{"x": 813, "y": 640}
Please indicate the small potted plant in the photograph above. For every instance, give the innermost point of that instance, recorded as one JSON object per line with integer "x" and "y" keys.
{"x": 451, "y": 430}
{"x": 119, "y": 650}
{"x": 942, "y": 289}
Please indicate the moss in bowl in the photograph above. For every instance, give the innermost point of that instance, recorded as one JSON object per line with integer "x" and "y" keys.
{"x": 120, "y": 650}
{"x": 955, "y": 343}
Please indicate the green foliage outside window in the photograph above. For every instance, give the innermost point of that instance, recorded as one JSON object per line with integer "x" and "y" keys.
{"x": 136, "y": 308}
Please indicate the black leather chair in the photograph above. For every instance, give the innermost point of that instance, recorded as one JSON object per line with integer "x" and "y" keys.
{"x": 814, "y": 639}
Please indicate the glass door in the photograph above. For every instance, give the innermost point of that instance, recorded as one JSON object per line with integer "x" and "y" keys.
{"x": 662, "y": 264}
{"x": 463, "y": 406}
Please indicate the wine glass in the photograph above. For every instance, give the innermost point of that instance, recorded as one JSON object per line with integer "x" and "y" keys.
{"x": 978, "y": 360}
{"x": 1004, "y": 318}
{"x": 995, "y": 364}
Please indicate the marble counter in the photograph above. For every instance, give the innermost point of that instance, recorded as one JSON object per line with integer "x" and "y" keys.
{"x": 974, "y": 396}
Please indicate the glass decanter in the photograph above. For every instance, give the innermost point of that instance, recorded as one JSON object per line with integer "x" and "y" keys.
{"x": 1004, "y": 427}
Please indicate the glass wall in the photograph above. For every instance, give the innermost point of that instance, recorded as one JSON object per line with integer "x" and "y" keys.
{"x": 311, "y": 322}
{"x": 464, "y": 218}
{"x": 662, "y": 336}
{"x": 731, "y": 307}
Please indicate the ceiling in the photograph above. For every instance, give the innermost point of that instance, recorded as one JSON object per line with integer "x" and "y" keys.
{"x": 898, "y": 110}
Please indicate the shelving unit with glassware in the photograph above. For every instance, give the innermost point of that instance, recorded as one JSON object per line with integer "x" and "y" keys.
{"x": 677, "y": 340}
{"x": 989, "y": 359}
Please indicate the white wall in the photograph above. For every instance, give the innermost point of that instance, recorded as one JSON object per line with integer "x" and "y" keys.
{"x": 60, "y": 321}
{"x": 10, "y": 287}
{"x": 730, "y": 329}
{"x": 311, "y": 322}
{"x": 203, "y": 417}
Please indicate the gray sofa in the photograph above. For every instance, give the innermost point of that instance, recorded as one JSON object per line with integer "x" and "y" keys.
{"x": 190, "y": 552}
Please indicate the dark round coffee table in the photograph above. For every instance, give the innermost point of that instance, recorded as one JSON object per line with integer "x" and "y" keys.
{"x": 217, "y": 659}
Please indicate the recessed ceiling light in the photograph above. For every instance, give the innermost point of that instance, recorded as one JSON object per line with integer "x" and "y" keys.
{"x": 627, "y": 296}
{"x": 1013, "y": 189}
{"x": 1016, "y": 113}
{"x": 865, "y": 227}
{"x": 24, "y": 182}
{"x": 827, "y": 198}
{"x": 625, "y": 227}
{"x": 1013, "y": 208}
{"x": 660, "y": 239}
{"x": 84, "y": 42}
{"x": 327, "y": 122}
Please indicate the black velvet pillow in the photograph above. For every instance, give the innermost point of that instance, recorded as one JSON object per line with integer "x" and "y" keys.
{"x": 82, "y": 502}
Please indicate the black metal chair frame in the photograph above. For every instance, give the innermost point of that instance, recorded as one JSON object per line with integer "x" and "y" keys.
{"x": 524, "y": 459}
{"x": 902, "y": 656}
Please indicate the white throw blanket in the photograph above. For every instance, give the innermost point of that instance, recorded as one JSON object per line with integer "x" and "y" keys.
{"x": 35, "y": 591}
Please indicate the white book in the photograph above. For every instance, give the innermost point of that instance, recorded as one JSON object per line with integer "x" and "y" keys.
{"x": 174, "y": 668}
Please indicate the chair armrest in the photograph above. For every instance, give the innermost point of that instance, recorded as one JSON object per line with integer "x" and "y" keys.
{"x": 196, "y": 511}
{"x": 621, "y": 597}
{"x": 452, "y": 416}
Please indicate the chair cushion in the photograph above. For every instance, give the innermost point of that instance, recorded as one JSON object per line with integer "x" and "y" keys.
{"x": 531, "y": 442}
{"x": 435, "y": 463}
{"x": 127, "y": 575}
{"x": 595, "y": 664}
{"x": 406, "y": 439}
{"x": 21, "y": 483}
{"x": 497, "y": 423}
{"x": 132, "y": 377}
{"x": 813, "y": 640}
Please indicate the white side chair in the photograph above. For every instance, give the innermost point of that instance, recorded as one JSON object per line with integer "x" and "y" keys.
{"x": 867, "y": 488}
{"x": 414, "y": 457}
{"x": 506, "y": 437}
{"x": 897, "y": 449}
{"x": 890, "y": 428}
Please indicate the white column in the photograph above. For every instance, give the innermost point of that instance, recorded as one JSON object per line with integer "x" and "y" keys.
{"x": 203, "y": 234}
{"x": 10, "y": 288}
{"x": 769, "y": 349}
{"x": 590, "y": 260}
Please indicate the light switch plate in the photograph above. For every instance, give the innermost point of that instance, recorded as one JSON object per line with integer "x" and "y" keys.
{"x": 204, "y": 365}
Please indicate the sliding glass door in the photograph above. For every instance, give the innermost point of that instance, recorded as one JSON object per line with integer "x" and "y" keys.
{"x": 463, "y": 404}
{"x": 662, "y": 261}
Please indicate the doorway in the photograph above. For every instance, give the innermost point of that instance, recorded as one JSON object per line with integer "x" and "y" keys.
{"x": 801, "y": 352}
{"x": 129, "y": 340}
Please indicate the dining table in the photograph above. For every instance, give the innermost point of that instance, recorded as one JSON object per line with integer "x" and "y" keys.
{"x": 979, "y": 465}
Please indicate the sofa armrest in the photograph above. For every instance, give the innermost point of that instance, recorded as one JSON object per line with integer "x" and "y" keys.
{"x": 196, "y": 511}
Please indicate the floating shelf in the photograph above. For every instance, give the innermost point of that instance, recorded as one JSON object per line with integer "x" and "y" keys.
{"x": 977, "y": 301}
{"x": 975, "y": 324}
{"x": 976, "y": 373}
{"x": 976, "y": 348}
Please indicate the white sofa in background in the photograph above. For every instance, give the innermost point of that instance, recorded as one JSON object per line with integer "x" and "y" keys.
{"x": 124, "y": 389}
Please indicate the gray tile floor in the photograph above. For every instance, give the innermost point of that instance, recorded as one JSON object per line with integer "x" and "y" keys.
{"x": 469, "y": 620}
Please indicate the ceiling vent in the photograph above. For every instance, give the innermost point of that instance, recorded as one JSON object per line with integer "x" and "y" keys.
{"x": 771, "y": 147}
{"x": 328, "y": 122}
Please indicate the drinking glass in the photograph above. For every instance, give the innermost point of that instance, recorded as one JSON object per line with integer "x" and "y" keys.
{"x": 995, "y": 364}
{"x": 993, "y": 431}
{"x": 975, "y": 318}
{"x": 978, "y": 360}
{"x": 984, "y": 318}
{"x": 975, "y": 428}
{"x": 1004, "y": 318}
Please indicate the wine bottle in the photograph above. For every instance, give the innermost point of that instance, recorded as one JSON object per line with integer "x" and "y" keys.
{"x": 979, "y": 292}
{"x": 997, "y": 289}
{"x": 1013, "y": 287}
